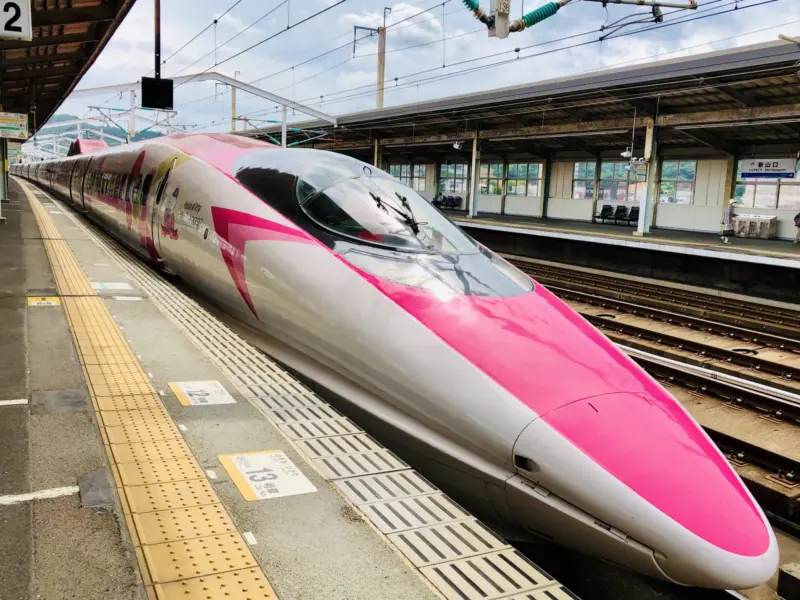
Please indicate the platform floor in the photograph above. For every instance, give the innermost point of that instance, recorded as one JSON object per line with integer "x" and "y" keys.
{"x": 609, "y": 233}
{"x": 184, "y": 472}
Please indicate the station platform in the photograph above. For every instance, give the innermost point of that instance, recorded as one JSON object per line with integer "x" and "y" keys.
{"x": 777, "y": 253}
{"x": 225, "y": 477}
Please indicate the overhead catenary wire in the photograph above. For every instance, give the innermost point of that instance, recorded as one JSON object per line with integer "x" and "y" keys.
{"x": 473, "y": 69}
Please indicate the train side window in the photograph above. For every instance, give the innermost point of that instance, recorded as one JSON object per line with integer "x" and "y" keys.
{"x": 148, "y": 180}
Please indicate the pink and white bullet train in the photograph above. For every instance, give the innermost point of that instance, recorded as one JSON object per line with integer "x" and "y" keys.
{"x": 511, "y": 400}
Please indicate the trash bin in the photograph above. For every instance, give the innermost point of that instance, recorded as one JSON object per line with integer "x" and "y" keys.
{"x": 763, "y": 227}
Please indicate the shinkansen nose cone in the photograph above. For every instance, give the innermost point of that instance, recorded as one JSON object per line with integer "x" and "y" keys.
{"x": 649, "y": 473}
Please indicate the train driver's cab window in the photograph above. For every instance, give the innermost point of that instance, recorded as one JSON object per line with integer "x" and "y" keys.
{"x": 368, "y": 206}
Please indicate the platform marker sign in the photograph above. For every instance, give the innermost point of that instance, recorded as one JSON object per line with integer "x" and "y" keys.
{"x": 201, "y": 393}
{"x": 44, "y": 301}
{"x": 13, "y": 126}
{"x": 15, "y": 20}
{"x": 264, "y": 475}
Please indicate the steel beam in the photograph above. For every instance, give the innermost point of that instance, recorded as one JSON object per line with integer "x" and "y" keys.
{"x": 711, "y": 140}
{"x": 42, "y": 58}
{"x": 731, "y": 115}
{"x": 70, "y": 16}
{"x": 51, "y": 40}
{"x": 40, "y": 73}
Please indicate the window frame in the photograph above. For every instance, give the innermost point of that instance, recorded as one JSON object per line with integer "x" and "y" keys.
{"x": 537, "y": 180}
{"x": 487, "y": 176}
{"x": 630, "y": 181}
{"x": 419, "y": 174}
{"x": 585, "y": 179}
{"x": 401, "y": 172}
{"x": 454, "y": 180}
{"x": 677, "y": 180}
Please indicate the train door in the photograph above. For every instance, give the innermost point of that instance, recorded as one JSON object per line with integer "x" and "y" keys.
{"x": 84, "y": 176}
{"x": 76, "y": 168}
{"x": 163, "y": 213}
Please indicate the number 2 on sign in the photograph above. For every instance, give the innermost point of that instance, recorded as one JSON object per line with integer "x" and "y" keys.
{"x": 14, "y": 9}
{"x": 262, "y": 475}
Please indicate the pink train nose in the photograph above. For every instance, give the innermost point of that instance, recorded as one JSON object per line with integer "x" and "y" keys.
{"x": 655, "y": 448}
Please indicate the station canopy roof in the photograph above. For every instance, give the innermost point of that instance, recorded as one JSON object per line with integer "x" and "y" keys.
{"x": 68, "y": 36}
{"x": 727, "y": 101}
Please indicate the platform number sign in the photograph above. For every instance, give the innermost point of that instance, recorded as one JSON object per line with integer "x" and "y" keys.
{"x": 266, "y": 475}
{"x": 15, "y": 20}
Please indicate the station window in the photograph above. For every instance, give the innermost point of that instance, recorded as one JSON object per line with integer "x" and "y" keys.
{"x": 418, "y": 179}
{"x": 677, "y": 181}
{"x": 453, "y": 178}
{"x": 620, "y": 183}
{"x": 401, "y": 172}
{"x": 768, "y": 193}
{"x": 583, "y": 180}
{"x": 524, "y": 179}
{"x": 491, "y": 180}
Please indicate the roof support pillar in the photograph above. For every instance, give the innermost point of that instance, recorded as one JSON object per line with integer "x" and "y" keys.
{"x": 472, "y": 189}
{"x": 548, "y": 173}
{"x": 284, "y": 124}
{"x": 653, "y": 175}
{"x": 377, "y": 155}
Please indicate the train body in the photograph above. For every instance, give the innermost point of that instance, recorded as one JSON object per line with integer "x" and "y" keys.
{"x": 494, "y": 388}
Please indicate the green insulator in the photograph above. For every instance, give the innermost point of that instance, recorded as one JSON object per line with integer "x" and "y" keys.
{"x": 471, "y": 4}
{"x": 540, "y": 14}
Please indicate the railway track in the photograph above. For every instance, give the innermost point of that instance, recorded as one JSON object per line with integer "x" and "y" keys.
{"x": 738, "y": 377}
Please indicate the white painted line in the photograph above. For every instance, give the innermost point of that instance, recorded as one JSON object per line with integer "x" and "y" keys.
{"x": 211, "y": 474}
{"x": 41, "y": 495}
{"x": 250, "y": 538}
{"x": 161, "y": 392}
{"x": 149, "y": 374}
{"x": 13, "y": 402}
{"x": 182, "y": 427}
{"x": 128, "y": 298}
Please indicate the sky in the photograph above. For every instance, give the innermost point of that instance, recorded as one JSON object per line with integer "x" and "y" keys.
{"x": 343, "y": 81}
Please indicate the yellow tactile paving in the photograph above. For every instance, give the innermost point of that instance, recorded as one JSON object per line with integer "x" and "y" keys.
{"x": 149, "y": 452}
{"x": 142, "y": 432}
{"x": 115, "y": 418}
{"x": 247, "y": 584}
{"x": 185, "y": 542}
{"x": 182, "y": 524}
{"x": 199, "y": 557}
{"x": 161, "y": 471}
{"x": 175, "y": 494}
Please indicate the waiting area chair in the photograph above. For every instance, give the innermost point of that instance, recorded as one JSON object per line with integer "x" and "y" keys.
{"x": 633, "y": 217}
{"x": 607, "y": 212}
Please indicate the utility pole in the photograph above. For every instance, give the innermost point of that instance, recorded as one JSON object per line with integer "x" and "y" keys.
{"x": 381, "y": 31}
{"x": 233, "y": 104}
{"x": 132, "y": 116}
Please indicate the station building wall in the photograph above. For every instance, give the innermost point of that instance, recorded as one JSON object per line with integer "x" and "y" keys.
{"x": 709, "y": 197}
{"x": 561, "y": 204}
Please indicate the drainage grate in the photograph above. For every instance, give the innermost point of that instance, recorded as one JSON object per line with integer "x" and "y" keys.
{"x": 386, "y": 486}
{"x": 410, "y": 513}
{"x": 310, "y": 413}
{"x": 451, "y": 541}
{"x": 343, "y": 444}
{"x": 306, "y": 430}
{"x": 551, "y": 593}
{"x": 491, "y": 576}
{"x": 364, "y": 463}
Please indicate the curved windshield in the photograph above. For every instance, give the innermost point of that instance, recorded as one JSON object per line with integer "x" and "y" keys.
{"x": 379, "y": 210}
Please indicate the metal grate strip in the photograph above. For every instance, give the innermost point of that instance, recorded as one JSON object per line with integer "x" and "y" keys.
{"x": 410, "y": 513}
{"x": 364, "y": 463}
{"x": 451, "y": 541}
{"x": 310, "y": 413}
{"x": 386, "y": 486}
{"x": 305, "y": 430}
{"x": 344, "y": 444}
{"x": 493, "y": 575}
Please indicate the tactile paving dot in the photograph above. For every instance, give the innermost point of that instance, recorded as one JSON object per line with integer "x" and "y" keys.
{"x": 182, "y": 524}
{"x": 247, "y": 584}
{"x": 143, "y": 431}
{"x": 175, "y": 494}
{"x": 159, "y": 472}
{"x": 131, "y": 402}
{"x": 117, "y": 418}
{"x": 150, "y": 451}
{"x": 198, "y": 557}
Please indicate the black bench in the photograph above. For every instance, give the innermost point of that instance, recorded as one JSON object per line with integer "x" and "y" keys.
{"x": 621, "y": 214}
{"x": 607, "y": 212}
{"x": 634, "y": 216}
{"x": 447, "y": 202}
